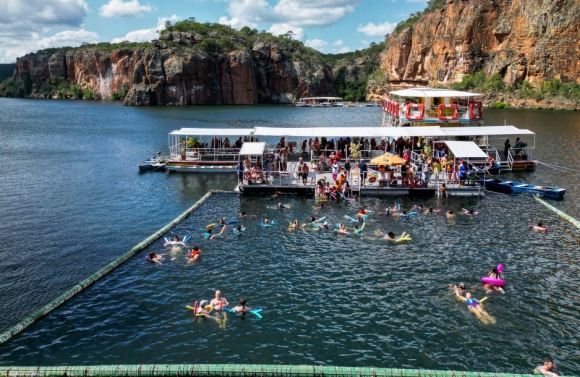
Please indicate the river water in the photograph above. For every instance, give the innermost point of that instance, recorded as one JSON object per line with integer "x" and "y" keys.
{"x": 72, "y": 200}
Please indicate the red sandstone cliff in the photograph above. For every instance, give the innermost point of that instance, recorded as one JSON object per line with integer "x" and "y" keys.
{"x": 161, "y": 75}
{"x": 531, "y": 40}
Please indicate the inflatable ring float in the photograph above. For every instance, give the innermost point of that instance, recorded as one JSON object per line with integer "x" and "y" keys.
{"x": 372, "y": 179}
{"x": 247, "y": 175}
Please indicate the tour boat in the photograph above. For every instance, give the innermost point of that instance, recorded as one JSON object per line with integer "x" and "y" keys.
{"x": 319, "y": 102}
{"x": 190, "y": 154}
{"x": 452, "y": 109}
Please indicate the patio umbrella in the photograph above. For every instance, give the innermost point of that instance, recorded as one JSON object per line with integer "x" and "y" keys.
{"x": 388, "y": 159}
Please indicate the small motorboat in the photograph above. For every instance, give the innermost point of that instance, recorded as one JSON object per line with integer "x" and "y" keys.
{"x": 513, "y": 187}
{"x": 156, "y": 163}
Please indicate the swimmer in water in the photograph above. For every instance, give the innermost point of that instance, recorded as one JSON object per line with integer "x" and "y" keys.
{"x": 295, "y": 225}
{"x": 219, "y": 302}
{"x": 404, "y": 213}
{"x": 430, "y": 210}
{"x": 390, "y": 236}
{"x": 242, "y": 308}
{"x": 450, "y": 214}
{"x": 222, "y": 221}
{"x": 321, "y": 206}
{"x": 312, "y": 219}
{"x": 469, "y": 212}
{"x": 539, "y": 228}
{"x": 281, "y": 206}
{"x": 475, "y": 307}
{"x": 240, "y": 229}
{"x": 243, "y": 215}
{"x": 361, "y": 219}
{"x": 210, "y": 236}
{"x": 201, "y": 311}
{"x": 420, "y": 208}
{"x": 175, "y": 242}
{"x": 325, "y": 225}
{"x": 155, "y": 257}
{"x": 194, "y": 253}
{"x": 493, "y": 274}
{"x": 548, "y": 369}
{"x": 386, "y": 213}
{"x": 342, "y": 229}
{"x": 357, "y": 230}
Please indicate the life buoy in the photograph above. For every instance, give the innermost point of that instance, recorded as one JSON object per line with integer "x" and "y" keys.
{"x": 247, "y": 175}
{"x": 419, "y": 183}
{"x": 476, "y": 110}
{"x": 372, "y": 179}
{"x": 389, "y": 106}
{"x": 447, "y": 117}
{"x": 418, "y": 116}
{"x": 396, "y": 109}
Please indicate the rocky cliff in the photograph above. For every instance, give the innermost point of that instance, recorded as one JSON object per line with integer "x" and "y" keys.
{"x": 533, "y": 40}
{"x": 170, "y": 73}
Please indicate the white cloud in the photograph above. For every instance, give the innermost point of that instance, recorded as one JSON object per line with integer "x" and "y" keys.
{"x": 364, "y": 42}
{"x": 237, "y": 23}
{"x": 344, "y": 50}
{"x": 317, "y": 44}
{"x": 71, "y": 38}
{"x": 119, "y": 8}
{"x": 145, "y": 35}
{"x": 23, "y": 22}
{"x": 338, "y": 43}
{"x": 298, "y": 13}
{"x": 279, "y": 29}
{"x": 379, "y": 30}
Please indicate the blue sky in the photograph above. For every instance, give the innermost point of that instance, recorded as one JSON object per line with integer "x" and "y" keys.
{"x": 330, "y": 26}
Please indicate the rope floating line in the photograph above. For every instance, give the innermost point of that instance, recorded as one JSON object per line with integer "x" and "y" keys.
{"x": 233, "y": 370}
{"x": 563, "y": 215}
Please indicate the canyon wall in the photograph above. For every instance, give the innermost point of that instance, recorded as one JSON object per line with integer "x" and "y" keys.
{"x": 159, "y": 75}
{"x": 533, "y": 40}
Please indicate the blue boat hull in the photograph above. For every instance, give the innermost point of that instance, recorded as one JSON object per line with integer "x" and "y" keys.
{"x": 513, "y": 187}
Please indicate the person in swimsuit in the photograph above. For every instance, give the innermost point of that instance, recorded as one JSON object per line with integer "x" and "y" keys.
{"x": 242, "y": 308}
{"x": 450, "y": 214}
{"x": 281, "y": 206}
{"x": 343, "y": 229}
{"x": 386, "y": 213}
{"x": 219, "y": 302}
{"x": 539, "y": 228}
{"x": 243, "y": 215}
{"x": 390, "y": 236}
{"x": 175, "y": 242}
{"x": 222, "y": 221}
{"x": 240, "y": 229}
{"x": 493, "y": 274}
{"x": 357, "y": 230}
{"x": 548, "y": 369}
{"x": 210, "y": 236}
{"x": 295, "y": 225}
{"x": 475, "y": 307}
{"x": 201, "y": 311}
{"x": 155, "y": 257}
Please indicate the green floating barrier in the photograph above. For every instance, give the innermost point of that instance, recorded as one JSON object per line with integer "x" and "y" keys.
{"x": 563, "y": 215}
{"x": 233, "y": 370}
{"x": 55, "y": 303}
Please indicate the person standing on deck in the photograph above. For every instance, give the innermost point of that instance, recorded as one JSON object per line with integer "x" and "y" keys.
{"x": 506, "y": 148}
{"x": 240, "y": 170}
{"x": 363, "y": 171}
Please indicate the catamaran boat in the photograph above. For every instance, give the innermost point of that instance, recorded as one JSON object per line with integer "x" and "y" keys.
{"x": 420, "y": 107}
{"x": 190, "y": 153}
{"x": 318, "y": 101}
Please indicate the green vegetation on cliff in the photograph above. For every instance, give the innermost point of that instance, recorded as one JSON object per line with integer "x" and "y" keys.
{"x": 432, "y": 5}
{"x": 494, "y": 86}
{"x": 353, "y": 70}
{"x": 6, "y": 71}
{"x": 217, "y": 38}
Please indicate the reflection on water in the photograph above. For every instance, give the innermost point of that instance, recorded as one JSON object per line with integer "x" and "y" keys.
{"x": 72, "y": 200}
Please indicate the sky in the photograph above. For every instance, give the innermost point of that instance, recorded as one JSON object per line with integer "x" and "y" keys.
{"x": 330, "y": 26}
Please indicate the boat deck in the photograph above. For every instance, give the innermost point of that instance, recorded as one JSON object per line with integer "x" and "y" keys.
{"x": 288, "y": 183}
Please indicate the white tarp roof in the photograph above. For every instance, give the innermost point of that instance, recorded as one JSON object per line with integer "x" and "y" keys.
{"x": 430, "y": 92}
{"x": 252, "y": 149}
{"x": 405, "y": 131}
{"x": 465, "y": 149}
{"x": 485, "y": 131}
{"x": 313, "y": 131}
{"x": 213, "y": 132}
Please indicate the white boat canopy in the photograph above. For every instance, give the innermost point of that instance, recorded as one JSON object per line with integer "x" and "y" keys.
{"x": 430, "y": 92}
{"x": 465, "y": 149}
{"x": 213, "y": 132}
{"x": 253, "y": 149}
{"x": 366, "y": 132}
{"x": 485, "y": 131}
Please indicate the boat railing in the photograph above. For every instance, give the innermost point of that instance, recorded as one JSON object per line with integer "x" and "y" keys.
{"x": 177, "y": 152}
